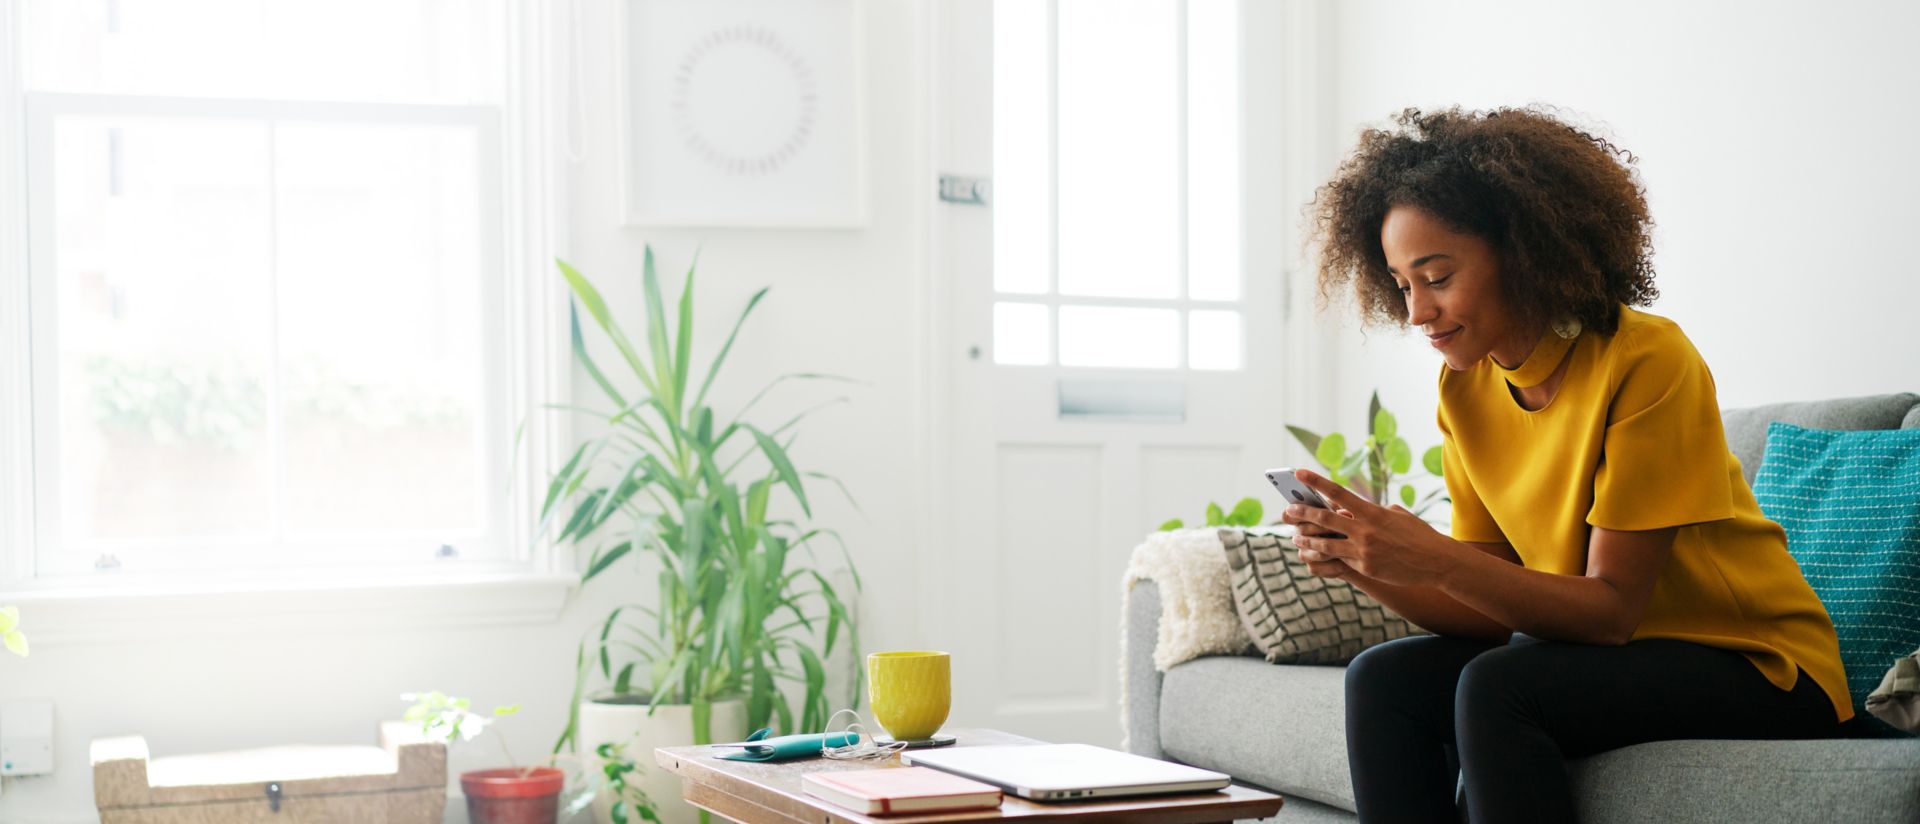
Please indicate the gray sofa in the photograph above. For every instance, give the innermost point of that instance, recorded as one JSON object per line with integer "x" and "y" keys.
{"x": 1282, "y": 727}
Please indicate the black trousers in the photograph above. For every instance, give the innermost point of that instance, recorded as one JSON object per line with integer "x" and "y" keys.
{"x": 1509, "y": 715}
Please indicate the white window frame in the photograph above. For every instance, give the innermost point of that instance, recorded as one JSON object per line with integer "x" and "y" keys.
{"x": 1182, "y": 303}
{"x": 530, "y": 580}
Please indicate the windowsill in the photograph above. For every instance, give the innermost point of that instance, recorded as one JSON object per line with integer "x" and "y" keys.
{"x": 59, "y": 613}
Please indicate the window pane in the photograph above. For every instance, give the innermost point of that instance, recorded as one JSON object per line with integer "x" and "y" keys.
{"x": 1213, "y": 150}
{"x": 360, "y": 50}
{"x": 161, "y": 252}
{"x": 1022, "y": 140}
{"x": 1022, "y": 334}
{"x": 1120, "y": 337}
{"x": 1119, "y": 148}
{"x": 1213, "y": 340}
{"x": 379, "y": 303}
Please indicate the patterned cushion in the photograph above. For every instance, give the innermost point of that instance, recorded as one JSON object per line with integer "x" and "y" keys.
{"x": 1850, "y": 503}
{"x": 1296, "y": 617}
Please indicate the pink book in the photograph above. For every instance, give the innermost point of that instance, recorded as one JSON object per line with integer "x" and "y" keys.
{"x": 900, "y": 790}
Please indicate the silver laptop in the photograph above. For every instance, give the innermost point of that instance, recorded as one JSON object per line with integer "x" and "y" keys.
{"x": 1059, "y": 772}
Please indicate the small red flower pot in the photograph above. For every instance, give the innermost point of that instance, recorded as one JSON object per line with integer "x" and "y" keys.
{"x": 513, "y": 796}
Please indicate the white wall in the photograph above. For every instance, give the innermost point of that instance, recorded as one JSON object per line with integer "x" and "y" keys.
{"x": 1775, "y": 142}
{"x": 843, "y": 301}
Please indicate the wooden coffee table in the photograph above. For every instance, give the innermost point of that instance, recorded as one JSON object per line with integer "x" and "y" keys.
{"x": 770, "y": 792}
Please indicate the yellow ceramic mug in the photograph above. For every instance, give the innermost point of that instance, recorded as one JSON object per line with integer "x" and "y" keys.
{"x": 910, "y": 692}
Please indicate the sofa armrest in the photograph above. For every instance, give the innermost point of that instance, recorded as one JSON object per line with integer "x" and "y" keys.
{"x": 1139, "y": 681}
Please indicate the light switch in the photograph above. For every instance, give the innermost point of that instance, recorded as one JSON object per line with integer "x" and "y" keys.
{"x": 26, "y": 737}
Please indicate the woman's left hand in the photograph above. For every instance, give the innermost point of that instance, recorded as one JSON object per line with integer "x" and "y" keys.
{"x": 1388, "y": 544}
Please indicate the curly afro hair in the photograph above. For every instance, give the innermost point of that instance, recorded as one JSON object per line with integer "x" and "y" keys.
{"x": 1563, "y": 209}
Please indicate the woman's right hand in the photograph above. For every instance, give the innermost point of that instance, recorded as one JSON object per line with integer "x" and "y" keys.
{"x": 1317, "y": 563}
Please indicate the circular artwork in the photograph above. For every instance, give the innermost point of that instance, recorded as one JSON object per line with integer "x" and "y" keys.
{"x": 744, "y": 100}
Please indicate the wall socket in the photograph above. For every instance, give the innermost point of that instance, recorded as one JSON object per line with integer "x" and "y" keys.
{"x": 26, "y": 737}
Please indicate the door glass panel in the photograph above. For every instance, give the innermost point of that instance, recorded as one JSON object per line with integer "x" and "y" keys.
{"x": 1022, "y": 141}
{"x": 1213, "y": 150}
{"x": 1119, "y": 337}
{"x": 1119, "y": 144}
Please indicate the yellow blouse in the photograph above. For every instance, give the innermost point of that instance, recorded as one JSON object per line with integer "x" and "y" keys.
{"x": 1632, "y": 440}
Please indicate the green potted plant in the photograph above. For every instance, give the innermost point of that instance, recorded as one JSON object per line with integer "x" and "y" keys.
{"x": 739, "y": 606}
{"x": 1383, "y": 455}
{"x": 511, "y": 795}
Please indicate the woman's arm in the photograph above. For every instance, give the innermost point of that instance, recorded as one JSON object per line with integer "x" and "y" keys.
{"x": 1395, "y": 547}
{"x": 1429, "y": 608}
{"x": 1604, "y": 606}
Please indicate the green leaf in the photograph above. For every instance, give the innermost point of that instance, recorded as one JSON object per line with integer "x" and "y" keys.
{"x": 1399, "y": 456}
{"x": 623, "y": 683}
{"x": 1435, "y": 466}
{"x": 757, "y": 503}
{"x": 657, "y": 338}
{"x": 1385, "y": 428}
{"x": 560, "y": 480}
{"x": 1306, "y": 437}
{"x": 1407, "y": 496}
{"x": 813, "y": 715}
{"x": 714, "y": 368}
{"x": 509, "y": 709}
{"x": 601, "y": 561}
{"x": 1373, "y": 406}
{"x": 1214, "y": 516}
{"x": 1332, "y": 449}
{"x": 1246, "y": 513}
{"x": 1171, "y": 525}
{"x": 683, "y": 346}
{"x": 597, "y": 307}
{"x": 778, "y": 457}
{"x": 1353, "y": 462}
{"x": 582, "y": 513}
{"x": 586, "y": 361}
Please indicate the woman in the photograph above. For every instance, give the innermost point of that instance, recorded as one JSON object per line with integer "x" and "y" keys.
{"x": 1610, "y": 579}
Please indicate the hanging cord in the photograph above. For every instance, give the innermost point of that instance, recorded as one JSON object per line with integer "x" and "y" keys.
{"x": 863, "y": 747}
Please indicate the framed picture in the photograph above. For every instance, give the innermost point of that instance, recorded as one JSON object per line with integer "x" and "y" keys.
{"x": 743, "y": 113}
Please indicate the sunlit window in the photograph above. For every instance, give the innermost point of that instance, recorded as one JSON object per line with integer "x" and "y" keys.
{"x": 265, "y": 279}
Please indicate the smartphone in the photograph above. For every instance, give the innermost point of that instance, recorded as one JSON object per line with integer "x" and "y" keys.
{"x": 1293, "y": 490}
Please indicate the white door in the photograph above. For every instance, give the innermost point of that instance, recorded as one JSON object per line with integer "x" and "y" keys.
{"x": 1108, "y": 330}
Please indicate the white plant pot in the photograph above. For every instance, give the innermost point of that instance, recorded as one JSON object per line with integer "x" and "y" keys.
{"x": 669, "y": 726}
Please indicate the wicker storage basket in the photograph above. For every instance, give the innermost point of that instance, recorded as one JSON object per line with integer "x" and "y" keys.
{"x": 402, "y": 781}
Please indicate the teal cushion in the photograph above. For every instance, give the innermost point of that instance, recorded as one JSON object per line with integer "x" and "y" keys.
{"x": 1850, "y": 503}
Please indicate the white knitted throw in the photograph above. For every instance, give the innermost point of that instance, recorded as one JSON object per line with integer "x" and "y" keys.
{"x": 1196, "y": 600}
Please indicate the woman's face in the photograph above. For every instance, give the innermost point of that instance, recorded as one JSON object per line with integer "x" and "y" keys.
{"x": 1452, "y": 285}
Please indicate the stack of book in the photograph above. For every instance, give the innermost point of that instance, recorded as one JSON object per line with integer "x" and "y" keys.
{"x": 889, "y": 790}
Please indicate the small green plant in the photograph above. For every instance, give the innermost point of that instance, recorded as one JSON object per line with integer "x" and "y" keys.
{"x": 10, "y": 631}
{"x": 448, "y": 718}
{"x": 1383, "y": 456}
{"x": 1245, "y": 513}
{"x": 628, "y": 799}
